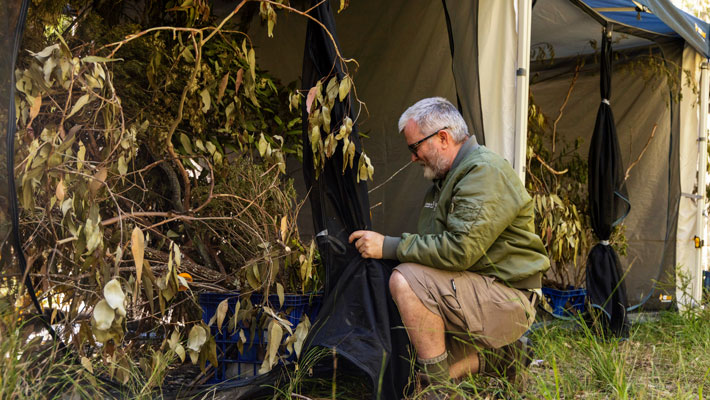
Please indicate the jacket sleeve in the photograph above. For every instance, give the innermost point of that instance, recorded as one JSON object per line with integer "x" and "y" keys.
{"x": 484, "y": 203}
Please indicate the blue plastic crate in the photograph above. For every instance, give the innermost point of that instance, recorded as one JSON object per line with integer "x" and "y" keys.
{"x": 246, "y": 363}
{"x": 565, "y": 303}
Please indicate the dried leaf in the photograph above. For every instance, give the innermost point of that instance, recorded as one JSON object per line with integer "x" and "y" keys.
{"x": 86, "y": 363}
{"x": 206, "y": 100}
{"x": 103, "y": 315}
{"x": 211, "y": 351}
{"x": 60, "y": 191}
{"x": 196, "y": 338}
{"x": 79, "y": 104}
{"x": 325, "y": 115}
{"x": 180, "y": 351}
{"x": 122, "y": 165}
{"x": 96, "y": 59}
{"x": 252, "y": 63}
{"x": 97, "y": 181}
{"x": 235, "y": 318}
{"x": 346, "y": 146}
{"x": 300, "y": 335}
{"x": 342, "y": 132}
{"x": 194, "y": 356}
{"x": 344, "y": 88}
{"x": 34, "y": 109}
{"x": 114, "y": 294}
{"x": 262, "y": 145}
{"x": 221, "y": 313}
{"x": 46, "y": 52}
{"x": 280, "y": 292}
{"x": 186, "y": 144}
{"x": 310, "y": 98}
{"x": 284, "y": 228}
{"x": 211, "y": 148}
{"x": 222, "y": 86}
{"x": 138, "y": 251}
{"x": 332, "y": 90}
{"x": 330, "y": 144}
{"x": 238, "y": 81}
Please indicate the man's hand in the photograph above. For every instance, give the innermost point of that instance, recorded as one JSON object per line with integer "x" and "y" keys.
{"x": 368, "y": 243}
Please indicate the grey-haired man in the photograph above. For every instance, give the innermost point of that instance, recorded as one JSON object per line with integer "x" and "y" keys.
{"x": 468, "y": 278}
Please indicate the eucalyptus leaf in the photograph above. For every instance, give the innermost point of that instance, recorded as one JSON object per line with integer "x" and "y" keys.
{"x": 186, "y": 144}
{"x": 103, "y": 315}
{"x": 114, "y": 294}
{"x": 196, "y": 338}
{"x": 344, "y": 88}
{"x": 222, "y": 313}
{"x": 96, "y": 59}
{"x": 83, "y": 100}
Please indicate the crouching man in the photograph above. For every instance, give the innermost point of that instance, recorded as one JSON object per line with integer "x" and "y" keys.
{"x": 469, "y": 278}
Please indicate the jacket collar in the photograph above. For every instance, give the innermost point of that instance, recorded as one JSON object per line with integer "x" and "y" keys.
{"x": 466, "y": 148}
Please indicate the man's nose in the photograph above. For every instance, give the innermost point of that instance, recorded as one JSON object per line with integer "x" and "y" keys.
{"x": 415, "y": 157}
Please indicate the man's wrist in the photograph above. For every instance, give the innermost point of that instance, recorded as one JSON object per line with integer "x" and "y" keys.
{"x": 389, "y": 247}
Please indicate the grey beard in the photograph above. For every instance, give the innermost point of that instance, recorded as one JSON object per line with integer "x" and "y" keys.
{"x": 436, "y": 171}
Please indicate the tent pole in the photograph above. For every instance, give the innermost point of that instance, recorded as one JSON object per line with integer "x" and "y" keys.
{"x": 702, "y": 172}
{"x": 521, "y": 87}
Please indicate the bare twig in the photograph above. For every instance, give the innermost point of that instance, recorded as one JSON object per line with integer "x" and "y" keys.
{"x": 390, "y": 178}
{"x": 564, "y": 104}
{"x": 645, "y": 147}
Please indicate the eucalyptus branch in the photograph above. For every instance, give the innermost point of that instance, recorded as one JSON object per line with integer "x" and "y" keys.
{"x": 309, "y": 16}
{"x": 549, "y": 168}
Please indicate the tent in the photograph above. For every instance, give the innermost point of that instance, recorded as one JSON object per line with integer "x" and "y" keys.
{"x": 471, "y": 53}
{"x": 477, "y": 54}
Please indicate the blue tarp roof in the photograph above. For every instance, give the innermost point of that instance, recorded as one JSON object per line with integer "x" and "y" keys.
{"x": 657, "y": 16}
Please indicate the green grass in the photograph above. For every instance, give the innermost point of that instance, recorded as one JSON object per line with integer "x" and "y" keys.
{"x": 667, "y": 357}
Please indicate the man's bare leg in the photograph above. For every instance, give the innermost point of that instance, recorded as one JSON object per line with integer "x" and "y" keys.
{"x": 425, "y": 329}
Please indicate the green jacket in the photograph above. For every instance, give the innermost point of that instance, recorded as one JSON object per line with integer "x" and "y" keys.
{"x": 478, "y": 218}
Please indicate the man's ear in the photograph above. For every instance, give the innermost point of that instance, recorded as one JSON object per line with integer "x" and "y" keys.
{"x": 445, "y": 137}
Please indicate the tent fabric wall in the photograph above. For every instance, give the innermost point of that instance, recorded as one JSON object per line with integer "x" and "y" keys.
{"x": 637, "y": 104}
{"x": 497, "y": 50}
{"x": 689, "y": 116}
{"x": 404, "y": 55}
{"x": 462, "y": 22}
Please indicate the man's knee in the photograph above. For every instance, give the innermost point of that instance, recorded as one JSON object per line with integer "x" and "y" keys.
{"x": 398, "y": 284}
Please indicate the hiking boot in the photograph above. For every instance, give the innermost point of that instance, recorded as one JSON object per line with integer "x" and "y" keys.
{"x": 509, "y": 362}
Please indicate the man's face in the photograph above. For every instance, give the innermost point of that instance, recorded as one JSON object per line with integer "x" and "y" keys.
{"x": 428, "y": 152}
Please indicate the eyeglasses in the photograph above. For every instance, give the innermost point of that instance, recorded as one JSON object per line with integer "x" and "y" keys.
{"x": 414, "y": 146}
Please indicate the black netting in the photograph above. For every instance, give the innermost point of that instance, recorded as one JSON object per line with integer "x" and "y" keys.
{"x": 608, "y": 206}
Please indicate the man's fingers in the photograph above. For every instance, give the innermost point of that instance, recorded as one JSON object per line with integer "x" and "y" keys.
{"x": 355, "y": 235}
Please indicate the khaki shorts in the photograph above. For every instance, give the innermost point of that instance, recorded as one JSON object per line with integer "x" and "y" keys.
{"x": 477, "y": 310}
